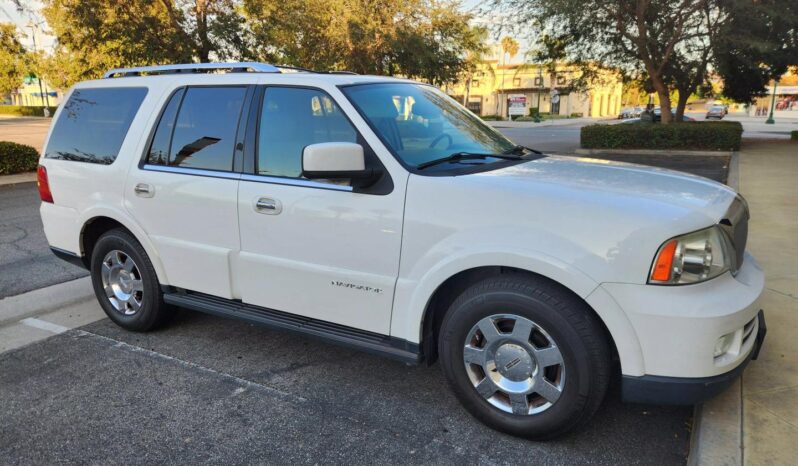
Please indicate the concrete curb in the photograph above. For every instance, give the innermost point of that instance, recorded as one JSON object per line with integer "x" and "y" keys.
{"x": 733, "y": 178}
{"x": 654, "y": 152}
{"x": 717, "y": 437}
{"x": 18, "y": 178}
{"x": 43, "y": 300}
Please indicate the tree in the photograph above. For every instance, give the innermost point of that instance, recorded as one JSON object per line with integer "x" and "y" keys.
{"x": 474, "y": 61}
{"x": 102, "y": 34}
{"x": 423, "y": 39}
{"x": 12, "y": 59}
{"x": 549, "y": 53}
{"x": 509, "y": 46}
{"x": 757, "y": 44}
{"x": 631, "y": 36}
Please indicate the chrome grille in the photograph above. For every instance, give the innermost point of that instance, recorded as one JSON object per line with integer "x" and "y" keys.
{"x": 735, "y": 225}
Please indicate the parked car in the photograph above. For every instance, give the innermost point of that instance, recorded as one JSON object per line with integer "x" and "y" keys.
{"x": 657, "y": 119}
{"x": 716, "y": 112}
{"x": 378, "y": 214}
{"x": 632, "y": 112}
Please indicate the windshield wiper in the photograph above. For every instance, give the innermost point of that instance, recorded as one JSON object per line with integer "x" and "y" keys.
{"x": 521, "y": 149}
{"x": 457, "y": 156}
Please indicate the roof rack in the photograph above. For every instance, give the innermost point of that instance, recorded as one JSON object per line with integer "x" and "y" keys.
{"x": 235, "y": 67}
{"x": 230, "y": 67}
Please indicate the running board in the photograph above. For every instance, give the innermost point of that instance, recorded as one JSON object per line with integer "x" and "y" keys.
{"x": 375, "y": 343}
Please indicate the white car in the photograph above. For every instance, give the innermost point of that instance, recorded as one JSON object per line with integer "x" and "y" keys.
{"x": 379, "y": 214}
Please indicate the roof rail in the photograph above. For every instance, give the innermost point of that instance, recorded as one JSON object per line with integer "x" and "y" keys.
{"x": 235, "y": 67}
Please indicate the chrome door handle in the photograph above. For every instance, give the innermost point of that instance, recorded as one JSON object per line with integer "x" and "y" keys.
{"x": 144, "y": 190}
{"x": 264, "y": 205}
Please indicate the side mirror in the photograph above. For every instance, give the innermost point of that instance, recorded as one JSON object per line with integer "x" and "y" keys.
{"x": 335, "y": 161}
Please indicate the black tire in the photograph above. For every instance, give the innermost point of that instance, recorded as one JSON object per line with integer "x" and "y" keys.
{"x": 153, "y": 311}
{"x": 567, "y": 319}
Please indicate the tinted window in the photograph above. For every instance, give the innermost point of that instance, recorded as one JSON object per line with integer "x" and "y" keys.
{"x": 205, "y": 131}
{"x": 159, "y": 149}
{"x": 292, "y": 118}
{"x": 93, "y": 124}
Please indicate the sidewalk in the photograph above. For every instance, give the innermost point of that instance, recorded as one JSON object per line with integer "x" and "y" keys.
{"x": 756, "y": 422}
{"x": 17, "y": 178}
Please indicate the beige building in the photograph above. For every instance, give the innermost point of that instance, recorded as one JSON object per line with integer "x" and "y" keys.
{"x": 491, "y": 88}
{"x": 31, "y": 95}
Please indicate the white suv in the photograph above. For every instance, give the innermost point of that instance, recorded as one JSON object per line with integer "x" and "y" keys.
{"x": 379, "y": 214}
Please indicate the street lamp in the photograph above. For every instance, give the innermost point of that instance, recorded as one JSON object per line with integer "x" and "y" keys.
{"x": 770, "y": 119}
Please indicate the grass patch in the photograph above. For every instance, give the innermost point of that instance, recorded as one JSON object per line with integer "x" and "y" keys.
{"x": 24, "y": 111}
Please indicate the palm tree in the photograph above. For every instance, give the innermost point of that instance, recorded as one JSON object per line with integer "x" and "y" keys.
{"x": 509, "y": 47}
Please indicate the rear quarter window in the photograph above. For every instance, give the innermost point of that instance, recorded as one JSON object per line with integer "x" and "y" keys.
{"x": 93, "y": 124}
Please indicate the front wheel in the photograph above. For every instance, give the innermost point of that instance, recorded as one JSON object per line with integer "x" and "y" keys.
{"x": 525, "y": 356}
{"x": 125, "y": 282}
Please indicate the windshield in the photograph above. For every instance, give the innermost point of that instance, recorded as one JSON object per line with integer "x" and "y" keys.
{"x": 419, "y": 123}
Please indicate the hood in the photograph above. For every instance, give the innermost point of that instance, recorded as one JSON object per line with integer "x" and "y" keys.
{"x": 636, "y": 187}
{"x": 606, "y": 219}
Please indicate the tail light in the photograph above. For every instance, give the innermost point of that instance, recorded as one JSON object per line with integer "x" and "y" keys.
{"x": 44, "y": 185}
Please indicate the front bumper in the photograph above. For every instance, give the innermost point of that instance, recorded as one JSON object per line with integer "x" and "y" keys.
{"x": 653, "y": 389}
{"x": 677, "y": 327}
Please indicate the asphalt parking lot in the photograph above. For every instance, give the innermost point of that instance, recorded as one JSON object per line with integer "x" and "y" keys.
{"x": 206, "y": 389}
{"x": 26, "y": 262}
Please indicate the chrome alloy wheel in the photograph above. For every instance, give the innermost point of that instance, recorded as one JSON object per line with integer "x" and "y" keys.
{"x": 514, "y": 364}
{"x": 122, "y": 282}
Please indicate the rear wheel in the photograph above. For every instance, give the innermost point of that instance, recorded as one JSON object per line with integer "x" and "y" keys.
{"x": 125, "y": 282}
{"x": 525, "y": 356}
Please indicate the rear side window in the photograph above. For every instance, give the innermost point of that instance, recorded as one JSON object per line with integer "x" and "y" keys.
{"x": 205, "y": 130}
{"x": 93, "y": 124}
{"x": 159, "y": 149}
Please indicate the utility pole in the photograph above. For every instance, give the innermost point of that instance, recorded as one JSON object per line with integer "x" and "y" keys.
{"x": 770, "y": 119}
{"x": 38, "y": 77}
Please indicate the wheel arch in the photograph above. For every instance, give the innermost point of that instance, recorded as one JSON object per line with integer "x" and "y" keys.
{"x": 439, "y": 302}
{"x": 99, "y": 222}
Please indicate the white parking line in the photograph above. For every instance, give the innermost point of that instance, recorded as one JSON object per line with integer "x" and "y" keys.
{"x": 44, "y": 325}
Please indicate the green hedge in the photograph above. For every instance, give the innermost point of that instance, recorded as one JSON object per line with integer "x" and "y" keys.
{"x": 24, "y": 111}
{"x": 715, "y": 135}
{"x": 17, "y": 158}
{"x": 491, "y": 118}
{"x": 794, "y": 135}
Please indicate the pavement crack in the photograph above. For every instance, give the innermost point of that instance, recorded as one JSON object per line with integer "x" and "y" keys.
{"x": 190, "y": 365}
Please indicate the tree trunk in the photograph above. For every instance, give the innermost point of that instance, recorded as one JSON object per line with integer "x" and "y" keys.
{"x": 682, "y": 103}
{"x": 203, "y": 43}
{"x": 664, "y": 96}
{"x": 467, "y": 92}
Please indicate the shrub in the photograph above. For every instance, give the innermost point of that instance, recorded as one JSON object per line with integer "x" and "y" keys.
{"x": 492, "y": 118}
{"x": 17, "y": 158}
{"x": 715, "y": 135}
{"x": 576, "y": 115}
{"x": 24, "y": 111}
{"x": 534, "y": 111}
{"x": 794, "y": 135}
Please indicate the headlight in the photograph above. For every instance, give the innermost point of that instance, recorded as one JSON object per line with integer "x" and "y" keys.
{"x": 691, "y": 258}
